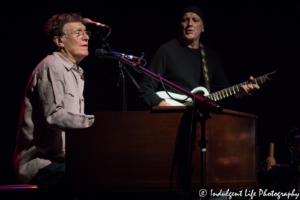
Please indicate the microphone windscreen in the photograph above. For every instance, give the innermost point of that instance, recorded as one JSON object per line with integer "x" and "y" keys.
{"x": 86, "y": 20}
{"x": 100, "y": 53}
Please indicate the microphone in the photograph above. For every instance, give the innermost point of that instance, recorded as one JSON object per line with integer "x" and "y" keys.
{"x": 88, "y": 21}
{"x": 102, "y": 54}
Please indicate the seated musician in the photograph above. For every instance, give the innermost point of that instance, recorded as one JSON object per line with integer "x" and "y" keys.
{"x": 53, "y": 102}
{"x": 187, "y": 63}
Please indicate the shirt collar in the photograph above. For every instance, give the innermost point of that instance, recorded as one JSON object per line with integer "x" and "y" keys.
{"x": 77, "y": 69}
{"x": 66, "y": 62}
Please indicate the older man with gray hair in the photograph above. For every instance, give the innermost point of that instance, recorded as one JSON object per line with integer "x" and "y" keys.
{"x": 53, "y": 102}
{"x": 187, "y": 63}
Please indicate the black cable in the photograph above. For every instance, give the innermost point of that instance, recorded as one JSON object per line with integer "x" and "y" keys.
{"x": 167, "y": 91}
{"x": 145, "y": 62}
{"x": 108, "y": 32}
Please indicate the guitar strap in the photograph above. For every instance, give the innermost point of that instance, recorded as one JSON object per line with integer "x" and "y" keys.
{"x": 204, "y": 67}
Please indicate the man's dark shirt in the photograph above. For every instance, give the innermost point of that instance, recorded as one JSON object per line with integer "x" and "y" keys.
{"x": 182, "y": 66}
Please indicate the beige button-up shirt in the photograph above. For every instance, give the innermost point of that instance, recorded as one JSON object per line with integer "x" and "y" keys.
{"x": 53, "y": 102}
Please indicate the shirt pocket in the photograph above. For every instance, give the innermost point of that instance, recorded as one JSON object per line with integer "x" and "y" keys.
{"x": 69, "y": 93}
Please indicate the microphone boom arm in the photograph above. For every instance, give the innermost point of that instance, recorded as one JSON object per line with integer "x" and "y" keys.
{"x": 201, "y": 100}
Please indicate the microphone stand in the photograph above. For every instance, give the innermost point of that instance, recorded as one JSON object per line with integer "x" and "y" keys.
{"x": 122, "y": 76}
{"x": 204, "y": 105}
{"x": 204, "y": 116}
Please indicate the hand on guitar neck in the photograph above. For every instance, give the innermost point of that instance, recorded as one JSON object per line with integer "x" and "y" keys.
{"x": 248, "y": 89}
{"x": 243, "y": 89}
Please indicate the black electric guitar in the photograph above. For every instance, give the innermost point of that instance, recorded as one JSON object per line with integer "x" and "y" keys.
{"x": 180, "y": 100}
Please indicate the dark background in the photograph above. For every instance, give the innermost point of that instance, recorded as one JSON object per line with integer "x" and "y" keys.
{"x": 252, "y": 37}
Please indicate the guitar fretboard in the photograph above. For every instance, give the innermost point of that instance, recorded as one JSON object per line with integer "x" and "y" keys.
{"x": 237, "y": 88}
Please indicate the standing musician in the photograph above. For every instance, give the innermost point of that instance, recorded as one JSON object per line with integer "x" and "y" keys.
{"x": 53, "y": 102}
{"x": 187, "y": 63}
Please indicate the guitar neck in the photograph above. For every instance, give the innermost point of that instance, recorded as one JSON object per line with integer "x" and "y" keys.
{"x": 227, "y": 92}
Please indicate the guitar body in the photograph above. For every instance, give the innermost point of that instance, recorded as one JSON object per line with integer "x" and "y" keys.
{"x": 179, "y": 98}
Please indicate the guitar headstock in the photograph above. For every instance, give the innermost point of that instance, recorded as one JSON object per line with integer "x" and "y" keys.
{"x": 271, "y": 75}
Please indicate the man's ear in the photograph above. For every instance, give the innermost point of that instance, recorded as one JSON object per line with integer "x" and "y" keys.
{"x": 58, "y": 41}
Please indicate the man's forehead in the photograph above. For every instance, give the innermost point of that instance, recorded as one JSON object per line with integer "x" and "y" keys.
{"x": 191, "y": 14}
{"x": 74, "y": 26}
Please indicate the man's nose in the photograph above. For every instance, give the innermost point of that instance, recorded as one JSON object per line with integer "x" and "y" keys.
{"x": 85, "y": 37}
